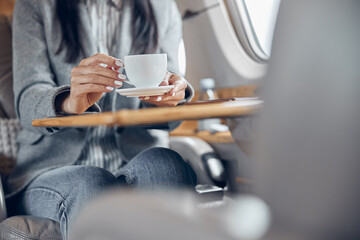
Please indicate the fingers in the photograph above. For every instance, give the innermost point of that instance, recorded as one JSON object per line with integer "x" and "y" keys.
{"x": 95, "y": 79}
{"x": 98, "y": 71}
{"x": 171, "y": 98}
{"x": 165, "y": 100}
{"x": 167, "y": 76}
{"x": 179, "y": 84}
{"x": 164, "y": 83}
{"x": 152, "y": 99}
{"x": 177, "y": 97}
{"x": 91, "y": 88}
{"x": 100, "y": 58}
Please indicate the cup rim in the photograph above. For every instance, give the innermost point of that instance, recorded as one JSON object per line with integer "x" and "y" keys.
{"x": 146, "y": 55}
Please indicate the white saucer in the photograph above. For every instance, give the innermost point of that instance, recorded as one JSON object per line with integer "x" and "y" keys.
{"x": 144, "y": 92}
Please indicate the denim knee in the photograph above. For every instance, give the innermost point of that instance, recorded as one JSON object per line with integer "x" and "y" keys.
{"x": 158, "y": 168}
{"x": 88, "y": 180}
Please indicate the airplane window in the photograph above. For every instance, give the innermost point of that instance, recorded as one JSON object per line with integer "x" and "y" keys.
{"x": 263, "y": 15}
{"x": 254, "y": 22}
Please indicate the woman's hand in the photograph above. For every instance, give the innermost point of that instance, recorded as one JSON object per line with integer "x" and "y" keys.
{"x": 89, "y": 81}
{"x": 173, "y": 97}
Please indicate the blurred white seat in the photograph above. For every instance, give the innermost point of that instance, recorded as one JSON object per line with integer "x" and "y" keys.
{"x": 307, "y": 167}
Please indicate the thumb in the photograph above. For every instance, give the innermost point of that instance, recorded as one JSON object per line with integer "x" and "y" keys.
{"x": 164, "y": 83}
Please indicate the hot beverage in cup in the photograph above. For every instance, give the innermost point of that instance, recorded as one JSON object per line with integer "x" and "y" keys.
{"x": 146, "y": 71}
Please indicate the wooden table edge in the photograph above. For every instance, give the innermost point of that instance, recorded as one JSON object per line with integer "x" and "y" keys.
{"x": 155, "y": 115}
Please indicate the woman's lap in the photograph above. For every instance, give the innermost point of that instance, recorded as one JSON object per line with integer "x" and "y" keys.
{"x": 157, "y": 169}
{"x": 60, "y": 194}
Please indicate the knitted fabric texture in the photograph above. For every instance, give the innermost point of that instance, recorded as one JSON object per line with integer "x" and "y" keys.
{"x": 9, "y": 128}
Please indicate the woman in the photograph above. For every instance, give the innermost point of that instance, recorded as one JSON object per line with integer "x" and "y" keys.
{"x": 57, "y": 73}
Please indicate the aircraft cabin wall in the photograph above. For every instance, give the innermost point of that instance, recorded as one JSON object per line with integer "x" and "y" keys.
{"x": 213, "y": 49}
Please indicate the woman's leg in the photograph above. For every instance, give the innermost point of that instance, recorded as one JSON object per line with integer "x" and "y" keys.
{"x": 158, "y": 169}
{"x": 60, "y": 194}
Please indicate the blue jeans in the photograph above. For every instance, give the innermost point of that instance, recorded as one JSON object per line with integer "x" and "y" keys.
{"x": 61, "y": 194}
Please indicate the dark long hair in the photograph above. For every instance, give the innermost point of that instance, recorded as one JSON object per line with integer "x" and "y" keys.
{"x": 145, "y": 31}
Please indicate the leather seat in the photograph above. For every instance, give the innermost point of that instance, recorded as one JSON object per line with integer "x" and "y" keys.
{"x": 26, "y": 227}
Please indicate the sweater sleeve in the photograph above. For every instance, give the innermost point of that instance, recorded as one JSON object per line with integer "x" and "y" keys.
{"x": 35, "y": 86}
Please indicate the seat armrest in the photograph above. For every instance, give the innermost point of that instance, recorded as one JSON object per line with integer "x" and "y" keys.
{"x": 3, "y": 213}
{"x": 202, "y": 158}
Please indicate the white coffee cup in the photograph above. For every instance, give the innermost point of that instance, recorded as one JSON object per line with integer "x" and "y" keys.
{"x": 146, "y": 71}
